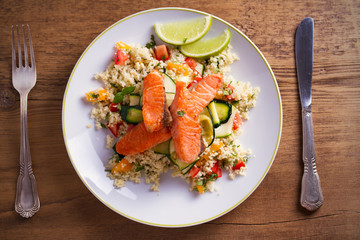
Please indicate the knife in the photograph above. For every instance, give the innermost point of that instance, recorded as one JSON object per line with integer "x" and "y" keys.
{"x": 311, "y": 194}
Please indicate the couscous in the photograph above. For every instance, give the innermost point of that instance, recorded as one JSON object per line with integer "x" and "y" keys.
{"x": 123, "y": 80}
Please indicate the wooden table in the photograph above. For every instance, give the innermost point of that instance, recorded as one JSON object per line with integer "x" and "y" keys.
{"x": 63, "y": 29}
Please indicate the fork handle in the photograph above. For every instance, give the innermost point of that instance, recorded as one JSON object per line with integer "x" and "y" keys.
{"x": 27, "y": 200}
{"x": 311, "y": 194}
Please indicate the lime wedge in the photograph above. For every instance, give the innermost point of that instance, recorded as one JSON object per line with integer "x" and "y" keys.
{"x": 183, "y": 32}
{"x": 207, "y": 47}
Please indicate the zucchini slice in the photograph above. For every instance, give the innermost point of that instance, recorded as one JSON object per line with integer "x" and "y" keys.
{"x": 169, "y": 98}
{"x": 131, "y": 114}
{"x": 223, "y": 110}
{"x": 184, "y": 167}
{"x": 215, "y": 117}
{"x": 200, "y": 68}
{"x": 162, "y": 148}
{"x": 207, "y": 126}
{"x": 134, "y": 99}
{"x": 169, "y": 84}
{"x": 226, "y": 129}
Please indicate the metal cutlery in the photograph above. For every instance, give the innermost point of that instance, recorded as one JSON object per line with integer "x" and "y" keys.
{"x": 311, "y": 194}
{"x": 24, "y": 78}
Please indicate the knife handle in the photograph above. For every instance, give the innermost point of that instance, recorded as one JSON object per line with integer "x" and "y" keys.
{"x": 311, "y": 194}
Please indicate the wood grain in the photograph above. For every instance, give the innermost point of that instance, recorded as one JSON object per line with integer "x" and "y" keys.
{"x": 61, "y": 31}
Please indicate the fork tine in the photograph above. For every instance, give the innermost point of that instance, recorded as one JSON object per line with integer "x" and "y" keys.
{"x": 19, "y": 46}
{"x": 13, "y": 49}
{"x": 31, "y": 49}
{"x": 25, "y": 47}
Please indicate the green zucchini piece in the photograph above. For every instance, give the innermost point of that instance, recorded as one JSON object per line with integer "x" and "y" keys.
{"x": 134, "y": 99}
{"x": 169, "y": 98}
{"x": 212, "y": 110}
{"x": 226, "y": 129}
{"x": 200, "y": 68}
{"x": 184, "y": 167}
{"x": 162, "y": 148}
{"x": 169, "y": 84}
{"x": 131, "y": 114}
{"x": 207, "y": 126}
{"x": 223, "y": 110}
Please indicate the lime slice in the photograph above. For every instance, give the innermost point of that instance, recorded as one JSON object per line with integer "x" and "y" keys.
{"x": 183, "y": 32}
{"x": 207, "y": 47}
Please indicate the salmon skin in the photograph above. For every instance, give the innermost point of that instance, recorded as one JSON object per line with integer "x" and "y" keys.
{"x": 185, "y": 110}
{"x": 139, "y": 139}
{"x": 155, "y": 112}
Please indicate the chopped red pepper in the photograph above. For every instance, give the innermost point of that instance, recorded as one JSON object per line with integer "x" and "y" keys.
{"x": 238, "y": 165}
{"x": 194, "y": 171}
{"x": 161, "y": 53}
{"x": 121, "y": 57}
{"x": 237, "y": 121}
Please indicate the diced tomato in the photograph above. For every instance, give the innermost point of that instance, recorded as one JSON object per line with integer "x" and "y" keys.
{"x": 161, "y": 53}
{"x": 230, "y": 97}
{"x": 216, "y": 169}
{"x": 114, "y": 128}
{"x": 194, "y": 171}
{"x": 114, "y": 107}
{"x": 238, "y": 165}
{"x": 130, "y": 126}
{"x": 230, "y": 89}
{"x": 191, "y": 62}
{"x": 237, "y": 121}
{"x": 197, "y": 76}
{"x": 121, "y": 57}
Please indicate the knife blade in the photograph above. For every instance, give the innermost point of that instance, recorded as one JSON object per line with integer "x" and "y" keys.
{"x": 311, "y": 195}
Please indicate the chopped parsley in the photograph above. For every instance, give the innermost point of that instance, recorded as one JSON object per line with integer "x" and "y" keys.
{"x": 200, "y": 183}
{"x": 113, "y": 85}
{"x": 185, "y": 39}
{"x": 139, "y": 168}
{"x": 181, "y": 113}
{"x": 213, "y": 177}
{"x": 93, "y": 95}
{"x": 151, "y": 43}
{"x": 163, "y": 57}
{"x": 103, "y": 125}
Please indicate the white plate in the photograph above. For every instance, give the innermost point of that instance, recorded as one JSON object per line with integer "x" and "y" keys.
{"x": 175, "y": 205}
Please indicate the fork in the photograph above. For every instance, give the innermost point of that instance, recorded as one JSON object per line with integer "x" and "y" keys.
{"x": 24, "y": 78}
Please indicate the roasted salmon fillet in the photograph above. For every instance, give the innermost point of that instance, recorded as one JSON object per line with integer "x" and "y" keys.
{"x": 139, "y": 139}
{"x": 185, "y": 110}
{"x": 155, "y": 112}
{"x": 185, "y": 130}
{"x": 205, "y": 90}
